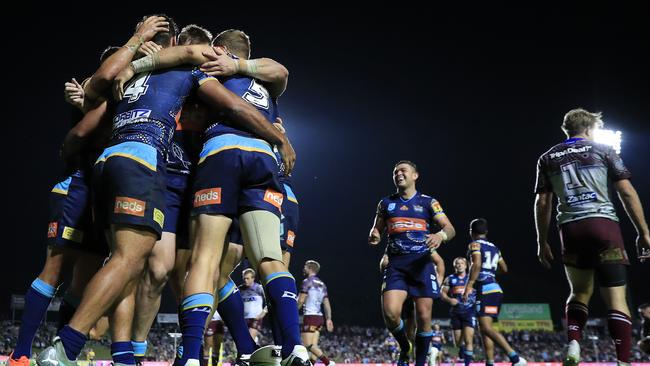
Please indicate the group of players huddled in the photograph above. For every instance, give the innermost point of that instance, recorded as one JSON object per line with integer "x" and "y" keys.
{"x": 582, "y": 174}
{"x": 178, "y": 166}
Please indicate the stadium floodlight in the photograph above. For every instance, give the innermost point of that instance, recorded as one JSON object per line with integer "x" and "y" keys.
{"x": 609, "y": 137}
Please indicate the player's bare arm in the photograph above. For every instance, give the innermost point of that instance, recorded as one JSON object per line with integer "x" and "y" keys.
{"x": 502, "y": 266}
{"x": 301, "y": 299}
{"x": 377, "y": 230}
{"x": 104, "y": 76}
{"x": 77, "y": 138}
{"x": 543, "y": 212}
{"x": 440, "y": 266}
{"x": 632, "y": 204}
{"x": 445, "y": 296}
{"x": 327, "y": 310}
{"x": 474, "y": 271}
{"x": 446, "y": 233}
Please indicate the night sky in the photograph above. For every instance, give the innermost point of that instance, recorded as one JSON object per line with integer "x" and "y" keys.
{"x": 472, "y": 96}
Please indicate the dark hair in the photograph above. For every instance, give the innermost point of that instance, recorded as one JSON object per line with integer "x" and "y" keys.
{"x": 194, "y": 34}
{"x": 237, "y": 42}
{"x": 408, "y": 162}
{"x": 106, "y": 53}
{"x": 479, "y": 226}
{"x": 163, "y": 39}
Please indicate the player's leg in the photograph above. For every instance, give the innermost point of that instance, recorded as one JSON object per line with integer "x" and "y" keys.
{"x": 317, "y": 351}
{"x": 121, "y": 321}
{"x": 392, "y": 302}
{"x": 179, "y": 272}
{"x": 485, "y": 323}
{"x": 581, "y": 283}
{"x": 468, "y": 340}
{"x": 230, "y": 304}
{"x": 307, "y": 337}
{"x": 488, "y": 346}
{"x": 423, "y": 308}
{"x": 612, "y": 281}
{"x": 159, "y": 267}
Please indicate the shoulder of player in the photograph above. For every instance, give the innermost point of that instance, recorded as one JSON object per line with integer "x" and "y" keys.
{"x": 474, "y": 246}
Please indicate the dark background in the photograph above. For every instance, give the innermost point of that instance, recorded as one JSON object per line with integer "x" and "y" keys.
{"x": 473, "y": 96}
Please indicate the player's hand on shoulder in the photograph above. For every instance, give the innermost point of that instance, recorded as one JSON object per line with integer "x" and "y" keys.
{"x": 148, "y": 48}
{"x": 643, "y": 247}
{"x": 120, "y": 80}
{"x": 545, "y": 254}
{"x": 220, "y": 64}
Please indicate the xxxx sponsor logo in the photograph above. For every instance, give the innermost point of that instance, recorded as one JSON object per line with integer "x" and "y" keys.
{"x": 274, "y": 198}
{"x": 129, "y": 206}
{"x": 52, "y": 229}
{"x": 208, "y": 196}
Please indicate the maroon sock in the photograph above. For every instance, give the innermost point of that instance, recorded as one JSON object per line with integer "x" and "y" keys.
{"x": 620, "y": 329}
{"x": 324, "y": 359}
{"x": 576, "y": 318}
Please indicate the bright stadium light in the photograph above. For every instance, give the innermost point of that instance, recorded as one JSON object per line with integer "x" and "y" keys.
{"x": 609, "y": 137}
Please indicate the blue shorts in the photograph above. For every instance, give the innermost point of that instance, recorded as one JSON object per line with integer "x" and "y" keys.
{"x": 70, "y": 222}
{"x": 460, "y": 320}
{"x": 488, "y": 300}
{"x": 289, "y": 220}
{"x": 178, "y": 200}
{"x": 130, "y": 187}
{"x": 234, "y": 233}
{"x": 235, "y": 175}
{"x": 413, "y": 273}
{"x": 437, "y": 345}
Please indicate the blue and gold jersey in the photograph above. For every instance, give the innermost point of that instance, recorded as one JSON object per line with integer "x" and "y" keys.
{"x": 152, "y": 104}
{"x": 408, "y": 222}
{"x": 253, "y": 92}
{"x": 490, "y": 255}
{"x": 188, "y": 137}
{"x": 456, "y": 284}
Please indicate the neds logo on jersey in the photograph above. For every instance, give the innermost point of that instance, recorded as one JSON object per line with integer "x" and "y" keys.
{"x": 208, "y": 196}
{"x": 129, "y": 206}
{"x": 274, "y": 198}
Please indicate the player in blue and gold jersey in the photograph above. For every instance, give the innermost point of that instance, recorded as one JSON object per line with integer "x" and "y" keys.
{"x": 409, "y": 218}
{"x": 462, "y": 313}
{"x": 485, "y": 260}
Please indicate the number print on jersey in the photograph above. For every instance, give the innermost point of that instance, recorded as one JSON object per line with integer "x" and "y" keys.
{"x": 490, "y": 263}
{"x": 257, "y": 95}
{"x": 137, "y": 88}
{"x": 570, "y": 175}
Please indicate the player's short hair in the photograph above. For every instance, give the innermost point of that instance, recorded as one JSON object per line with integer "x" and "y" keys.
{"x": 313, "y": 266}
{"x": 408, "y": 162}
{"x": 578, "y": 120}
{"x": 107, "y": 52}
{"x": 164, "y": 39}
{"x": 479, "y": 226}
{"x": 237, "y": 42}
{"x": 644, "y": 306}
{"x": 248, "y": 270}
{"x": 194, "y": 34}
{"x": 459, "y": 258}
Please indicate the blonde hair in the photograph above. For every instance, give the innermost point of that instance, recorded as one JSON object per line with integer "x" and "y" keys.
{"x": 248, "y": 270}
{"x": 579, "y": 120}
{"x": 313, "y": 266}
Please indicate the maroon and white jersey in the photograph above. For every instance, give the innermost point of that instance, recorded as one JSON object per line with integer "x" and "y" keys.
{"x": 580, "y": 172}
{"x": 316, "y": 291}
{"x": 253, "y": 298}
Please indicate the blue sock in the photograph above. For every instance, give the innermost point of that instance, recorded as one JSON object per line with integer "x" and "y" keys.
{"x": 231, "y": 309}
{"x": 422, "y": 342}
{"x": 400, "y": 336}
{"x": 513, "y": 356}
{"x": 461, "y": 351}
{"x": 37, "y": 300}
{"x": 122, "y": 352}
{"x": 73, "y": 341}
{"x": 489, "y": 362}
{"x": 469, "y": 356}
{"x": 283, "y": 297}
{"x": 195, "y": 311}
{"x": 139, "y": 350}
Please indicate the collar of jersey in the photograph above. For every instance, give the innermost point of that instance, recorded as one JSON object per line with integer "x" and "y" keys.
{"x": 403, "y": 200}
{"x": 574, "y": 139}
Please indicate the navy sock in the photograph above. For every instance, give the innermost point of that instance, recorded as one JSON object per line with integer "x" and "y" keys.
{"x": 400, "y": 336}
{"x": 461, "y": 351}
{"x": 469, "y": 356}
{"x": 231, "y": 309}
{"x": 37, "y": 300}
{"x": 513, "y": 356}
{"x": 139, "y": 350}
{"x": 73, "y": 341}
{"x": 195, "y": 311}
{"x": 283, "y": 296}
{"x": 276, "y": 330}
{"x": 66, "y": 311}
{"x": 422, "y": 342}
{"x": 122, "y": 352}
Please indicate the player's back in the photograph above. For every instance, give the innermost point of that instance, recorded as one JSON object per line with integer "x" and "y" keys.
{"x": 490, "y": 255}
{"x": 580, "y": 173}
{"x": 253, "y": 92}
{"x": 151, "y": 106}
